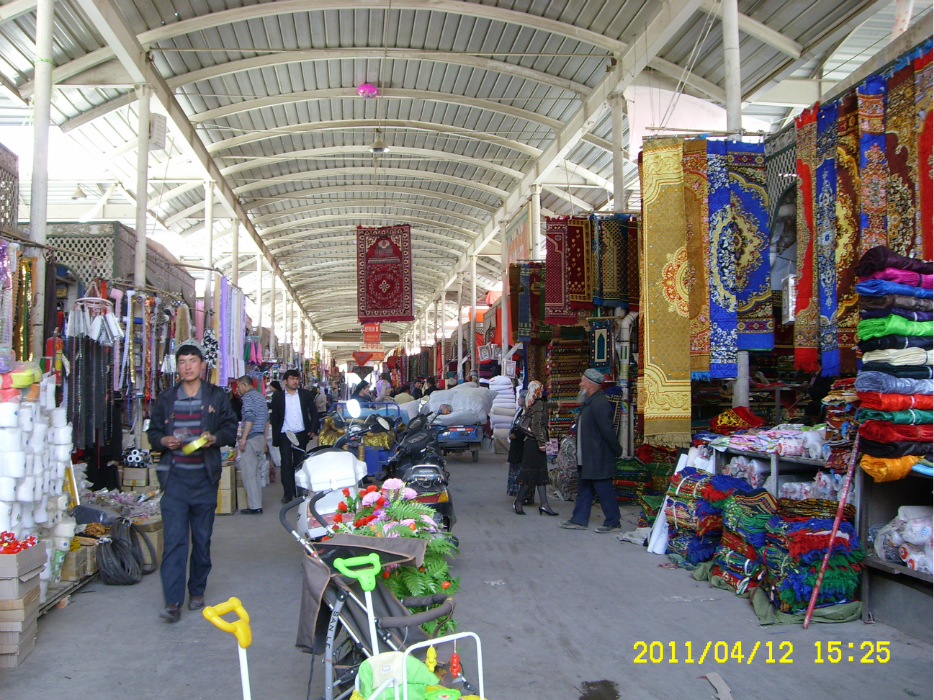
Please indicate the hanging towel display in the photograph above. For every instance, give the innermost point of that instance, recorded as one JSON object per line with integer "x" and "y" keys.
{"x": 750, "y": 223}
{"x": 694, "y": 164}
{"x": 722, "y": 277}
{"x": 384, "y": 274}
{"x": 826, "y": 243}
{"x": 664, "y": 325}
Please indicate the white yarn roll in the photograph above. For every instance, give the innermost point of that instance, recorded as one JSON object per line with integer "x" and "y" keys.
{"x": 50, "y": 395}
{"x": 59, "y": 470}
{"x": 40, "y": 515}
{"x": 28, "y": 522}
{"x": 58, "y": 488}
{"x": 62, "y": 453}
{"x": 38, "y": 447}
{"x": 61, "y": 503}
{"x": 59, "y": 417}
{"x": 7, "y": 488}
{"x": 40, "y": 430}
{"x": 11, "y": 439}
{"x": 6, "y": 511}
{"x": 13, "y": 464}
{"x": 26, "y": 490}
{"x": 61, "y": 436}
{"x": 26, "y": 416}
{"x": 31, "y": 461}
{"x": 63, "y": 544}
{"x": 66, "y": 528}
{"x": 9, "y": 414}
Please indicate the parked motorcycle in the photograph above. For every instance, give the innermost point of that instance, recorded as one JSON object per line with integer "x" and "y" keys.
{"x": 332, "y": 468}
{"x": 418, "y": 461}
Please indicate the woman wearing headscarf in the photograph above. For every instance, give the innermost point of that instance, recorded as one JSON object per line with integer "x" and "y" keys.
{"x": 534, "y": 471}
{"x": 361, "y": 392}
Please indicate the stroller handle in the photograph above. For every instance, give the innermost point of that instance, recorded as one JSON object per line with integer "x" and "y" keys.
{"x": 419, "y": 619}
{"x": 285, "y": 509}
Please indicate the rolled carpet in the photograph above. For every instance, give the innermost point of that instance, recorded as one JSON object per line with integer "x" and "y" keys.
{"x": 896, "y": 342}
{"x": 887, "y": 384}
{"x": 904, "y": 372}
{"x": 896, "y": 300}
{"x": 910, "y": 416}
{"x": 883, "y": 431}
{"x": 908, "y": 356}
{"x": 888, "y": 468}
{"x": 894, "y": 402}
{"x": 881, "y": 257}
{"x": 892, "y": 325}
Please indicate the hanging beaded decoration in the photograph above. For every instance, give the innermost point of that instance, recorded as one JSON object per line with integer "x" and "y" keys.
{"x": 146, "y": 347}
{"x": 22, "y": 344}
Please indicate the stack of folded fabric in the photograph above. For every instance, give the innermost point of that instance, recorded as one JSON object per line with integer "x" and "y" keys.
{"x": 660, "y": 463}
{"x": 650, "y": 507}
{"x": 632, "y": 480}
{"x": 567, "y": 359}
{"x": 504, "y": 406}
{"x": 738, "y": 561}
{"x": 797, "y": 540}
{"x": 896, "y": 381}
{"x": 694, "y": 509}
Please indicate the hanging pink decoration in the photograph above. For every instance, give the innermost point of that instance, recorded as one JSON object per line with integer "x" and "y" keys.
{"x": 367, "y": 90}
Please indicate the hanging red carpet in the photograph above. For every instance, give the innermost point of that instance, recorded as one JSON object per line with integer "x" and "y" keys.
{"x": 901, "y": 154}
{"x": 580, "y": 262}
{"x": 557, "y": 305}
{"x": 665, "y": 325}
{"x": 924, "y": 133}
{"x": 384, "y": 274}
{"x": 806, "y": 311}
{"x": 847, "y": 211}
{"x": 694, "y": 164}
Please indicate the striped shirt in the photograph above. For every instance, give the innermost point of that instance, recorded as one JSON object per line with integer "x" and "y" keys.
{"x": 188, "y": 417}
{"x": 255, "y": 411}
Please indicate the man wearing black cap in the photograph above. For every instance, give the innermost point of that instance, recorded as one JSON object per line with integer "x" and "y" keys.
{"x": 189, "y": 423}
{"x": 598, "y": 449}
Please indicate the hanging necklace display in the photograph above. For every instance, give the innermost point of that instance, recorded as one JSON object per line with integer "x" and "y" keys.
{"x": 22, "y": 325}
{"x": 146, "y": 347}
{"x": 93, "y": 316}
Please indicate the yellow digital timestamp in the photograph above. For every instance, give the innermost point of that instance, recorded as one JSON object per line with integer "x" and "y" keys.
{"x": 770, "y": 652}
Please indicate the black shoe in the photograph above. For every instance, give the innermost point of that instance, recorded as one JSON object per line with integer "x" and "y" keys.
{"x": 251, "y": 511}
{"x": 171, "y": 613}
{"x": 285, "y": 499}
{"x": 518, "y": 510}
{"x": 541, "y": 509}
{"x": 195, "y": 602}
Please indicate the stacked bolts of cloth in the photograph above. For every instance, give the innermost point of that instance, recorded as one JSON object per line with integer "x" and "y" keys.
{"x": 896, "y": 381}
{"x": 504, "y": 406}
{"x": 694, "y": 509}
{"x": 650, "y": 507}
{"x": 739, "y": 560}
{"x": 798, "y": 537}
{"x": 632, "y": 480}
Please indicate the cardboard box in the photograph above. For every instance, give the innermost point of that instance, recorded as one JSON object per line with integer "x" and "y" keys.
{"x": 242, "y": 500}
{"x": 15, "y": 565}
{"x": 15, "y": 588}
{"x": 154, "y": 478}
{"x": 226, "y": 501}
{"x": 227, "y": 478}
{"x": 92, "y": 559}
{"x": 135, "y": 476}
{"x": 14, "y": 639}
{"x": 75, "y": 565}
{"x": 140, "y": 489}
{"x": 14, "y": 660}
{"x": 19, "y": 626}
{"x": 22, "y": 609}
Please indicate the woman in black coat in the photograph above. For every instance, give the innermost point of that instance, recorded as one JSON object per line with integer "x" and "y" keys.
{"x": 534, "y": 472}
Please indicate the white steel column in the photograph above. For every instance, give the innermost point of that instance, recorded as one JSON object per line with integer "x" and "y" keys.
{"x": 617, "y": 110}
{"x": 142, "y": 184}
{"x": 209, "y": 249}
{"x": 536, "y": 223}
{"x": 473, "y": 312}
{"x": 903, "y": 11}
{"x": 235, "y": 253}
{"x": 460, "y": 327}
{"x": 504, "y": 300}
{"x": 734, "y": 89}
{"x": 434, "y": 350}
{"x": 272, "y": 314}
{"x": 39, "y": 187}
{"x": 259, "y": 295}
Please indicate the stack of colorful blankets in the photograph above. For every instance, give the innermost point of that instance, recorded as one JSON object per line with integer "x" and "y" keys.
{"x": 694, "y": 510}
{"x": 739, "y": 561}
{"x": 896, "y": 382}
{"x": 650, "y": 507}
{"x": 632, "y": 480}
{"x": 795, "y": 547}
{"x": 660, "y": 462}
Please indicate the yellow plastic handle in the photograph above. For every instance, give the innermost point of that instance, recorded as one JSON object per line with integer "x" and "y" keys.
{"x": 240, "y": 628}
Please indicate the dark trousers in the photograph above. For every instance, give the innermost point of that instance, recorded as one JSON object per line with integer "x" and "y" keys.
{"x": 603, "y": 488}
{"x": 188, "y": 505}
{"x": 290, "y": 461}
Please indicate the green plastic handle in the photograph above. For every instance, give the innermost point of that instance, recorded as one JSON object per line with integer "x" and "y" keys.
{"x": 369, "y": 566}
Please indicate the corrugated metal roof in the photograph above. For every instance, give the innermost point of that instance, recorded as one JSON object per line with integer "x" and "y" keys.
{"x": 472, "y": 96}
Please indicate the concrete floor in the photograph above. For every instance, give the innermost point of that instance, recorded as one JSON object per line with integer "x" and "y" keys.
{"x": 557, "y": 611}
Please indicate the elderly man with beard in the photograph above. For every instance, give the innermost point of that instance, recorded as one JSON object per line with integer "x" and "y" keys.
{"x": 598, "y": 449}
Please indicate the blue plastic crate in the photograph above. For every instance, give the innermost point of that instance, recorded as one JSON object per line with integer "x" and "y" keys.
{"x": 375, "y": 459}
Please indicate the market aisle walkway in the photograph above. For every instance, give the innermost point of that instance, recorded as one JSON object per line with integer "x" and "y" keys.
{"x": 555, "y": 610}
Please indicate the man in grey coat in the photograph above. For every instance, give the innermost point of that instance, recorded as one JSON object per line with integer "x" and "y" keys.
{"x": 598, "y": 449}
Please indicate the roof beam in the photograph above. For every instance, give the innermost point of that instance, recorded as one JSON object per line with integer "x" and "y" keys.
{"x": 112, "y": 25}
{"x": 368, "y": 216}
{"x": 351, "y": 124}
{"x": 757, "y": 30}
{"x": 301, "y": 238}
{"x": 667, "y": 22}
{"x": 350, "y": 203}
{"x": 374, "y": 189}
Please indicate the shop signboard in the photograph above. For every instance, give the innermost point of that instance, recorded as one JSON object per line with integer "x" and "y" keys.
{"x": 518, "y": 236}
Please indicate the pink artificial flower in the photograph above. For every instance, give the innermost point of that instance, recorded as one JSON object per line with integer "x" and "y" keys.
{"x": 370, "y": 498}
{"x": 408, "y": 494}
{"x": 380, "y": 515}
{"x": 407, "y": 522}
{"x": 393, "y": 484}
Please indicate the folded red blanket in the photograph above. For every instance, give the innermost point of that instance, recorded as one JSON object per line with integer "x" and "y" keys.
{"x": 895, "y": 402}
{"x": 883, "y": 431}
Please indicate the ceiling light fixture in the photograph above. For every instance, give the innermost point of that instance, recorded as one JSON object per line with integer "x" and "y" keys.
{"x": 379, "y": 146}
{"x": 79, "y": 194}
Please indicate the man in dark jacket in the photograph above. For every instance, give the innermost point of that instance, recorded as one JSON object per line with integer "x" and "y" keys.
{"x": 192, "y": 410}
{"x": 292, "y": 409}
{"x": 598, "y": 449}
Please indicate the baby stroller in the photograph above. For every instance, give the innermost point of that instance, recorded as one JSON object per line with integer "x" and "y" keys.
{"x": 350, "y": 616}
